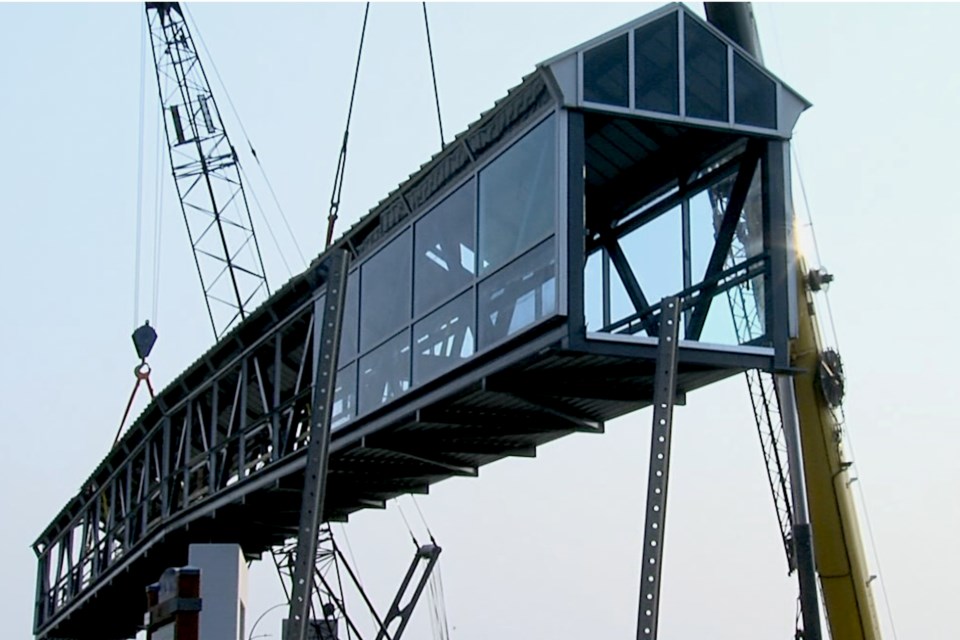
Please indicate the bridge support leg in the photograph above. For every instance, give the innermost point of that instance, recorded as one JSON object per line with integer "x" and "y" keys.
{"x": 802, "y": 534}
{"x": 328, "y": 317}
{"x": 664, "y": 392}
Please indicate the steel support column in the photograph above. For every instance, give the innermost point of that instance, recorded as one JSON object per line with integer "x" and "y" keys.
{"x": 664, "y": 392}
{"x": 802, "y": 534}
{"x": 327, "y": 321}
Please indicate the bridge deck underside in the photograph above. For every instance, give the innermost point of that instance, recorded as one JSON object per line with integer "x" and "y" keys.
{"x": 550, "y": 394}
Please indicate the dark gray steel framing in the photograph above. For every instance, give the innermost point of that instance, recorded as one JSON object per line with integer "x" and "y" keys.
{"x": 328, "y": 320}
{"x": 220, "y": 455}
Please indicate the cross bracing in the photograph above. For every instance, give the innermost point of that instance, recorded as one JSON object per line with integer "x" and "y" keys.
{"x": 502, "y": 322}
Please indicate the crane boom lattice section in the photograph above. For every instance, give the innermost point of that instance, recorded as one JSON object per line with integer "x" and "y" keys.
{"x": 206, "y": 171}
{"x": 746, "y": 303}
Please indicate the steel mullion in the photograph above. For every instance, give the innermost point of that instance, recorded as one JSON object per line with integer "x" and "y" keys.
{"x": 214, "y": 434}
{"x": 188, "y": 456}
{"x": 275, "y": 413}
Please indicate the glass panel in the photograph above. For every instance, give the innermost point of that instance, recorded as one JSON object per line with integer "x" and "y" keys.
{"x": 706, "y": 72}
{"x": 445, "y": 255}
{"x": 754, "y": 95}
{"x": 518, "y": 197}
{"x": 385, "y": 372}
{"x": 593, "y": 291}
{"x": 518, "y": 296}
{"x": 385, "y": 291}
{"x": 736, "y": 316}
{"x": 348, "y": 334}
{"x": 657, "y": 67}
{"x": 605, "y": 73}
{"x": 444, "y": 339}
{"x": 344, "y": 396}
{"x": 655, "y": 251}
{"x": 620, "y": 305}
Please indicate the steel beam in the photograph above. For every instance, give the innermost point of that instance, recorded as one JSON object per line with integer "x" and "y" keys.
{"x": 328, "y": 317}
{"x": 656, "y": 513}
{"x": 724, "y": 237}
{"x": 802, "y": 534}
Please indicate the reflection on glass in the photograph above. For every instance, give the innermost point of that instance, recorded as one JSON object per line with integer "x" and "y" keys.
{"x": 706, "y": 72}
{"x": 445, "y": 249}
{"x": 443, "y": 339}
{"x": 518, "y": 296}
{"x": 593, "y": 291}
{"x": 344, "y": 396}
{"x": 605, "y": 70}
{"x": 655, "y": 252}
{"x": 518, "y": 197}
{"x": 385, "y": 291}
{"x": 657, "y": 67}
{"x": 385, "y": 372}
{"x": 351, "y": 311}
{"x": 735, "y": 317}
{"x": 754, "y": 95}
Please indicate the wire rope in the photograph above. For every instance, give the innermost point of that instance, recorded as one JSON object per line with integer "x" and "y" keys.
{"x": 140, "y": 128}
{"x": 843, "y": 418}
{"x": 342, "y": 159}
{"x": 253, "y": 151}
{"x": 158, "y": 220}
{"x": 433, "y": 72}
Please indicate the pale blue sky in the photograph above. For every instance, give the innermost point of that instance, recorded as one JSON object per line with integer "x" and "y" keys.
{"x": 533, "y": 548}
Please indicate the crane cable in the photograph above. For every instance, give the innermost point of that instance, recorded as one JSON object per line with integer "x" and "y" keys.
{"x": 139, "y": 225}
{"x": 433, "y": 72}
{"x": 836, "y": 341}
{"x": 342, "y": 159}
{"x": 253, "y": 152}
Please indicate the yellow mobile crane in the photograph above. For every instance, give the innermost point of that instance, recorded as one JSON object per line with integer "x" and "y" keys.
{"x": 822, "y": 513}
{"x": 840, "y": 559}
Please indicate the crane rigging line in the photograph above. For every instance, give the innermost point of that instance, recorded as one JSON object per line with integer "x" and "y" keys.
{"x": 158, "y": 219}
{"x": 342, "y": 159}
{"x": 433, "y": 72}
{"x": 139, "y": 226}
{"x": 253, "y": 152}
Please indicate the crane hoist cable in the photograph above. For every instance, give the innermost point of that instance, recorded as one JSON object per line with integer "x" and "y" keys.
{"x": 256, "y": 157}
{"x": 342, "y": 159}
{"x": 433, "y": 72}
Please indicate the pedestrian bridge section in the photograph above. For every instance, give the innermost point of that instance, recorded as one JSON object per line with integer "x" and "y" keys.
{"x": 508, "y": 293}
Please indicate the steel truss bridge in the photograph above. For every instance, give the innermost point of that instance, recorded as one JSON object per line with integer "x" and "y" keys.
{"x": 495, "y": 302}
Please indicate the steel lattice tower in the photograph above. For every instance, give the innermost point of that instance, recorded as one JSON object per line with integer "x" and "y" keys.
{"x": 206, "y": 171}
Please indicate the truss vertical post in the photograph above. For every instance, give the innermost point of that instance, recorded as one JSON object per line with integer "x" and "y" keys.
{"x": 327, "y": 319}
{"x": 664, "y": 392}
{"x": 802, "y": 534}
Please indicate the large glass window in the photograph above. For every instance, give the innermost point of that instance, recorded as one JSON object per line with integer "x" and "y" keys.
{"x": 351, "y": 312}
{"x": 605, "y": 73}
{"x": 443, "y": 339}
{"x": 344, "y": 396}
{"x": 518, "y": 197}
{"x": 385, "y": 291}
{"x": 754, "y": 95}
{"x": 445, "y": 255}
{"x": 706, "y": 72}
{"x": 657, "y": 67}
{"x": 385, "y": 372}
{"x": 518, "y": 296}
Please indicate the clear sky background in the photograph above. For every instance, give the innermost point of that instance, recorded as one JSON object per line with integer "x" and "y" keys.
{"x": 534, "y": 548}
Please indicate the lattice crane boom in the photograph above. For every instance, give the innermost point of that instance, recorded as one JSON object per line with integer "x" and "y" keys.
{"x": 207, "y": 175}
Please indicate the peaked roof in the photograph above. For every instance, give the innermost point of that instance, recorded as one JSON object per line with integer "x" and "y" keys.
{"x": 672, "y": 65}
